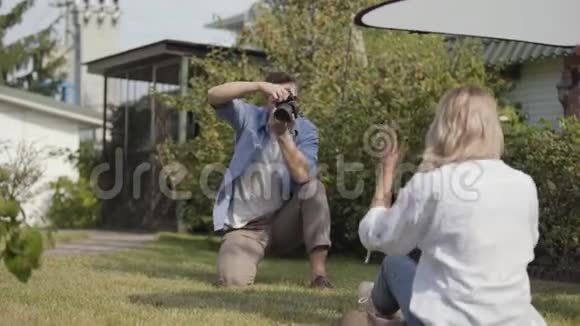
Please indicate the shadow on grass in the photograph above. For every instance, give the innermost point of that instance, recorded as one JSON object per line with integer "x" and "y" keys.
{"x": 187, "y": 257}
{"x": 278, "y": 306}
{"x": 199, "y": 242}
{"x": 171, "y": 257}
{"x": 554, "y": 288}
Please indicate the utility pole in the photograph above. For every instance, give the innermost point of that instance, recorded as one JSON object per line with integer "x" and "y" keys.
{"x": 75, "y": 8}
{"x": 72, "y": 19}
{"x": 77, "y": 45}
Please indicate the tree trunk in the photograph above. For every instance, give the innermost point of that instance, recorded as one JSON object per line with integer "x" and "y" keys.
{"x": 358, "y": 44}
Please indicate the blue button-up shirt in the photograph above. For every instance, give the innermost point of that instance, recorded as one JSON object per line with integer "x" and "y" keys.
{"x": 250, "y": 126}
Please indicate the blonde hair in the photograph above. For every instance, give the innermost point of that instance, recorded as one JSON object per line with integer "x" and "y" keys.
{"x": 466, "y": 127}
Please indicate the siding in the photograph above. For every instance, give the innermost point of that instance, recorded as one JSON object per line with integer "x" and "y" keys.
{"x": 536, "y": 90}
{"x": 46, "y": 133}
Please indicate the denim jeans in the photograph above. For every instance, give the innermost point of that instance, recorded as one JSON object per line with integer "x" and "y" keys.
{"x": 393, "y": 288}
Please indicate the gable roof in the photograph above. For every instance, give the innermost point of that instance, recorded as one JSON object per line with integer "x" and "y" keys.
{"x": 50, "y": 106}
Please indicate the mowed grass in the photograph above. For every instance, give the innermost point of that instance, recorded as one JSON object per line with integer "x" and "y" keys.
{"x": 52, "y": 238}
{"x": 170, "y": 282}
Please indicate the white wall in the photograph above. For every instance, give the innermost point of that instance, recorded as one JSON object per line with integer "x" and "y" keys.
{"x": 537, "y": 92}
{"x": 44, "y": 132}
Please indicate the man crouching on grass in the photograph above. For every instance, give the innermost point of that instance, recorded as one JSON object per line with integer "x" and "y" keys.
{"x": 270, "y": 199}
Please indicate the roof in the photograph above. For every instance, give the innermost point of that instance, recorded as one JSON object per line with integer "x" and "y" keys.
{"x": 236, "y": 22}
{"x": 138, "y": 61}
{"x": 233, "y": 23}
{"x": 512, "y": 52}
{"x": 50, "y": 106}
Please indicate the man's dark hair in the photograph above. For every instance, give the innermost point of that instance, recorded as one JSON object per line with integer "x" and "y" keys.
{"x": 280, "y": 77}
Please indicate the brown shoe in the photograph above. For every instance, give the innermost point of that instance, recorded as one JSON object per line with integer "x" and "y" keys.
{"x": 321, "y": 282}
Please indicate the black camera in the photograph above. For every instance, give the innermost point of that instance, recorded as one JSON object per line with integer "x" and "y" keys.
{"x": 287, "y": 110}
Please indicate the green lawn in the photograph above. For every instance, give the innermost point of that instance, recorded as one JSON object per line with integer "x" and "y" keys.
{"x": 170, "y": 283}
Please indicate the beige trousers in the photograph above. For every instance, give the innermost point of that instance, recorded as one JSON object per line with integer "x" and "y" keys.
{"x": 305, "y": 218}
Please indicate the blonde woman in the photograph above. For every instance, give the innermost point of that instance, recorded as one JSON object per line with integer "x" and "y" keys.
{"x": 474, "y": 218}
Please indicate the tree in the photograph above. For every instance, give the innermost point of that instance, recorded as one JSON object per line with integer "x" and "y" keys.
{"x": 350, "y": 99}
{"x": 399, "y": 80}
{"x": 32, "y": 62}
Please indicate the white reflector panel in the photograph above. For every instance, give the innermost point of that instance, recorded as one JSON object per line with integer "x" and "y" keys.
{"x": 550, "y": 22}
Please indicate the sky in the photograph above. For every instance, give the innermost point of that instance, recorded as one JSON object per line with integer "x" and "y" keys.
{"x": 148, "y": 21}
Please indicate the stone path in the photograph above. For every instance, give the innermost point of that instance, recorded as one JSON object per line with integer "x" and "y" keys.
{"x": 99, "y": 242}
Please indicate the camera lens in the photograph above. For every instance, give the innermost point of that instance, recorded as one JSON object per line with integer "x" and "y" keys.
{"x": 282, "y": 114}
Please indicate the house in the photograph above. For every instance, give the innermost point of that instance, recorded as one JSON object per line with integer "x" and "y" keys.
{"x": 42, "y": 124}
{"x": 538, "y": 71}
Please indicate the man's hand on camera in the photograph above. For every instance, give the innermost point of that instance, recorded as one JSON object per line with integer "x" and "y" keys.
{"x": 276, "y": 92}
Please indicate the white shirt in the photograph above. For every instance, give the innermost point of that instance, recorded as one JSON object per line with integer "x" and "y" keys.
{"x": 477, "y": 225}
{"x": 262, "y": 188}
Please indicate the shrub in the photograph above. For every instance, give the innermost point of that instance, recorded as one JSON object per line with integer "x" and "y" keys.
{"x": 73, "y": 204}
{"x": 552, "y": 158}
{"x": 85, "y": 158}
{"x": 20, "y": 246}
